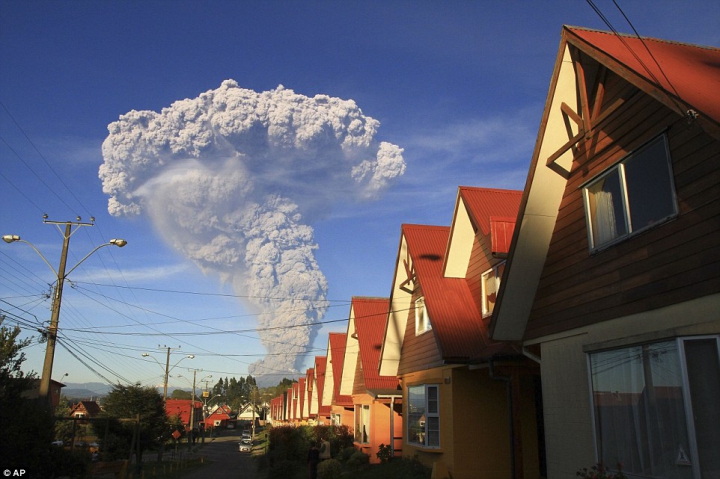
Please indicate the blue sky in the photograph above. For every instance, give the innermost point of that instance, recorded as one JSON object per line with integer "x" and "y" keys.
{"x": 458, "y": 86}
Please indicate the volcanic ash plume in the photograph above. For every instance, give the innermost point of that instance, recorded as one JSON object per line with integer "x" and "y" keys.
{"x": 233, "y": 179}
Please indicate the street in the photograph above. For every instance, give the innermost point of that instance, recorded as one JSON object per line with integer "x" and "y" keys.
{"x": 223, "y": 461}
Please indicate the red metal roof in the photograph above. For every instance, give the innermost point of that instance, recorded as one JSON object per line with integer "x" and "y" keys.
{"x": 370, "y": 319}
{"x": 320, "y": 365}
{"x": 181, "y": 407}
{"x": 692, "y": 70}
{"x": 337, "y": 348}
{"x": 484, "y": 203}
{"x": 455, "y": 320}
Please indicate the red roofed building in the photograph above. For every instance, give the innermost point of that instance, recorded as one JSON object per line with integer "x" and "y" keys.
{"x": 341, "y": 406}
{"x": 182, "y": 408}
{"x": 377, "y": 399}
{"x": 323, "y": 410}
{"x": 469, "y": 403}
{"x": 612, "y": 278}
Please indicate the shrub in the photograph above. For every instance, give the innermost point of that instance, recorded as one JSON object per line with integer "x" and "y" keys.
{"x": 384, "y": 453}
{"x": 329, "y": 469}
{"x": 345, "y": 454}
{"x": 283, "y": 469}
{"x": 598, "y": 471}
{"x": 358, "y": 460}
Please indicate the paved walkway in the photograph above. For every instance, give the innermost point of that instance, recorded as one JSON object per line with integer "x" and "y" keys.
{"x": 224, "y": 461}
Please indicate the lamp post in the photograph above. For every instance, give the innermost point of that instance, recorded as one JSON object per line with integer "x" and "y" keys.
{"x": 167, "y": 366}
{"x": 60, "y": 274}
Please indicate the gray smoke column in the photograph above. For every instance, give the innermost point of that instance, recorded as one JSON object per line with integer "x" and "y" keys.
{"x": 233, "y": 179}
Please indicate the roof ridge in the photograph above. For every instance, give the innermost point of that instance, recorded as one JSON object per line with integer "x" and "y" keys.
{"x": 643, "y": 38}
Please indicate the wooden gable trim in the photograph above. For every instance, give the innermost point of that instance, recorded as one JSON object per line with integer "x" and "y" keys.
{"x": 672, "y": 102}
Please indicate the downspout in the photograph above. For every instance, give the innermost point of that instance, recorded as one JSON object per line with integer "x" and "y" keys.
{"x": 508, "y": 388}
{"x": 526, "y": 352}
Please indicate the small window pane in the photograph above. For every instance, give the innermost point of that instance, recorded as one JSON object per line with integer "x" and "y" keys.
{"x": 649, "y": 186}
{"x": 432, "y": 400}
{"x": 607, "y": 213}
{"x": 433, "y": 431}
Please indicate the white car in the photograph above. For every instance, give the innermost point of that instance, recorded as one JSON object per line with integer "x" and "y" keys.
{"x": 245, "y": 445}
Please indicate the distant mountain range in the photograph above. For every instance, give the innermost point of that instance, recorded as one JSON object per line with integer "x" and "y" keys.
{"x": 87, "y": 391}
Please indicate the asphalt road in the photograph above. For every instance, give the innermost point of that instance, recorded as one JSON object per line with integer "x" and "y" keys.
{"x": 224, "y": 461}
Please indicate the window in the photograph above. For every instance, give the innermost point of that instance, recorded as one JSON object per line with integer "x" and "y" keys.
{"x": 490, "y": 287}
{"x": 362, "y": 423}
{"x": 422, "y": 319}
{"x": 635, "y": 194}
{"x": 424, "y": 415}
{"x": 656, "y": 408}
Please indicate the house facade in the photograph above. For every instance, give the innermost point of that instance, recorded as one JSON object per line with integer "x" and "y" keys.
{"x": 613, "y": 276}
{"x": 464, "y": 413}
{"x": 377, "y": 400}
{"x": 341, "y": 406}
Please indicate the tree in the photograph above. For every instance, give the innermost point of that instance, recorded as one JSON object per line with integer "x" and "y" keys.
{"x": 12, "y": 379}
{"x": 26, "y": 425}
{"x": 180, "y": 394}
{"x": 125, "y": 406}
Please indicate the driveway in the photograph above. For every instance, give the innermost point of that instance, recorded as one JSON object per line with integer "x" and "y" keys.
{"x": 224, "y": 461}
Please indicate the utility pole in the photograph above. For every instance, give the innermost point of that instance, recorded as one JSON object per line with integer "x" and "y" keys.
{"x": 167, "y": 373}
{"x": 60, "y": 276}
{"x": 192, "y": 413}
{"x": 55, "y": 317}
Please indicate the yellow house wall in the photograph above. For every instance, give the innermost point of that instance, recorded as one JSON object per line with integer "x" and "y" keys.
{"x": 474, "y": 434}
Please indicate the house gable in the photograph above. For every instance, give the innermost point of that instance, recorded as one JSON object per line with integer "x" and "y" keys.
{"x": 352, "y": 350}
{"x": 401, "y": 299}
{"x": 601, "y": 107}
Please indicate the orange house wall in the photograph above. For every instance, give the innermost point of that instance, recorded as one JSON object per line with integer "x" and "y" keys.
{"x": 379, "y": 426}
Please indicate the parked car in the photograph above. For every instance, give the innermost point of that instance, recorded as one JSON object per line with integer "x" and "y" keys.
{"x": 245, "y": 445}
{"x": 57, "y": 443}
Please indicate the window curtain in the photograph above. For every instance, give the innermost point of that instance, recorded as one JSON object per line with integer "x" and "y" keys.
{"x": 639, "y": 411}
{"x": 604, "y": 227}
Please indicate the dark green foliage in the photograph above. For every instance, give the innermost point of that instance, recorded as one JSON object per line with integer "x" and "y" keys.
{"x": 396, "y": 468}
{"x": 124, "y": 407}
{"x": 284, "y": 470}
{"x": 384, "y": 453}
{"x": 345, "y": 454}
{"x": 27, "y": 426}
{"x": 357, "y": 460}
{"x": 330, "y": 469}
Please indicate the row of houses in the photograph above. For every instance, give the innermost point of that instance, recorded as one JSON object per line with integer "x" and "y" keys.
{"x": 572, "y": 323}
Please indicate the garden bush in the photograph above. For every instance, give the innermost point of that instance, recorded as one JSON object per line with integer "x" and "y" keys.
{"x": 329, "y": 469}
{"x": 358, "y": 460}
{"x": 284, "y": 469}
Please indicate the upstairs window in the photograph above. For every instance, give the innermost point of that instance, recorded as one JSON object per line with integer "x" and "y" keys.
{"x": 422, "y": 319}
{"x": 490, "y": 287}
{"x": 633, "y": 195}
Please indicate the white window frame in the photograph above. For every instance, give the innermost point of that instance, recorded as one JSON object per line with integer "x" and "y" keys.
{"x": 422, "y": 318}
{"x": 619, "y": 168}
{"x": 430, "y": 411}
{"x": 362, "y": 418}
{"x": 495, "y": 271}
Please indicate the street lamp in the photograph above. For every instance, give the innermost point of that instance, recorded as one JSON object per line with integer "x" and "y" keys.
{"x": 167, "y": 367}
{"x": 60, "y": 274}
